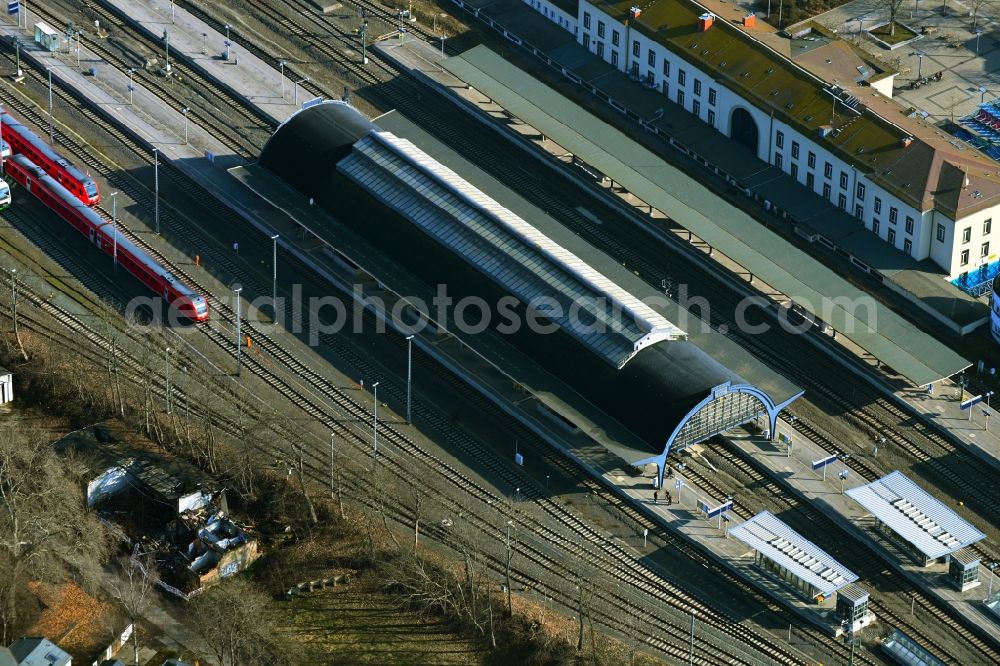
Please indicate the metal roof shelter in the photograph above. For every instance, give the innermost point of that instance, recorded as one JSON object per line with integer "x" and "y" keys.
{"x": 915, "y": 515}
{"x": 907, "y": 651}
{"x": 810, "y": 284}
{"x": 610, "y": 321}
{"x": 787, "y": 548}
{"x": 669, "y": 395}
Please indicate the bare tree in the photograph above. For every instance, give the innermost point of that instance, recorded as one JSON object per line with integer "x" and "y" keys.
{"x": 891, "y": 6}
{"x": 976, "y": 6}
{"x": 235, "y": 621}
{"x": 132, "y": 585}
{"x": 45, "y": 531}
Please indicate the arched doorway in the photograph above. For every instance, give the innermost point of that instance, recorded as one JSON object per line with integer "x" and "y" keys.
{"x": 743, "y": 128}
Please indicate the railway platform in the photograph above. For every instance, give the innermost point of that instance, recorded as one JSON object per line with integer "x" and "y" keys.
{"x": 941, "y": 406}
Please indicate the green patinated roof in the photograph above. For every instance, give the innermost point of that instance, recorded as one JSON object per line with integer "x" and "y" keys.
{"x": 879, "y": 331}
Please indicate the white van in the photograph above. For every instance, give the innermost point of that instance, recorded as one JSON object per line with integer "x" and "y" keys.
{"x": 4, "y": 194}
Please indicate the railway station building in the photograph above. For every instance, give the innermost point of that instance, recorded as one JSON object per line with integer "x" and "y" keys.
{"x": 835, "y": 131}
{"x": 661, "y": 373}
{"x": 923, "y": 526}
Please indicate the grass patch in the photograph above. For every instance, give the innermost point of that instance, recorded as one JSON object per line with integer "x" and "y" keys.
{"x": 349, "y": 626}
{"x": 903, "y": 34}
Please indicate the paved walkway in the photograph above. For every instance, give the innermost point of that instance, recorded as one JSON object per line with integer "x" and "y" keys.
{"x": 952, "y": 47}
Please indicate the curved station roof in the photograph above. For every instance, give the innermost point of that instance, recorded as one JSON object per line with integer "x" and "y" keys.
{"x": 806, "y": 281}
{"x": 614, "y": 341}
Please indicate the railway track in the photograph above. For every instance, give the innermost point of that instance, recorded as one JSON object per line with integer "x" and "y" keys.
{"x": 857, "y": 551}
{"x": 651, "y": 582}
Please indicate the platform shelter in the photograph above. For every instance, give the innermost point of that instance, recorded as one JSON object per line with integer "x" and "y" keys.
{"x": 928, "y": 529}
{"x": 791, "y": 557}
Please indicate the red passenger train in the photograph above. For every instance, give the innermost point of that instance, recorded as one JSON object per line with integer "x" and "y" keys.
{"x": 102, "y": 233}
{"x": 25, "y": 142}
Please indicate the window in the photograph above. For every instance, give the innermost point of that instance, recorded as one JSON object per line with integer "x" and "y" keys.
{"x": 909, "y": 224}
{"x": 778, "y": 160}
{"x": 940, "y": 232}
{"x": 859, "y": 211}
{"x": 681, "y": 77}
{"x": 907, "y": 246}
{"x": 600, "y": 49}
{"x": 875, "y": 226}
{"x": 635, "y": 70}
{"x": 826, "y": 190}
{"x": 966, "y": 234}
{"x": 651, "y": 58}
{"x": 779, "y": 139}
{"x": 586, "y": 41}
{"x": 795, "y": 168}
{"x": 696, "y": 108}
{"x": 984, "y": 249}
{"x": 964, "y": 260}
{"x": 843, "y": 180}
{"x": 795, "y": 150}
{"x": 711, "y": 96}
{"x": 711, "y": 118}
{"x": 861, "y": 191}
{"x": 650, "y": 78}
{"x": 892, "y": 237}
{"x": 586, "y": 20}
{"x": 842, "y": 201}
{"x": 811, "y": 160}
{"x": 666, "y": 67}
{"x": 878, "y": 205}
{"x": 600, "y": 29}
{"x": 614, "y": 58}
{"x": 828, "y": 170}
{"x": 893, "y": 214}
{"x": 810, "y": 180}
{"x": 666, "y": 89}
{"x": 697, "y": 86}
{"x": 987, "y": 226}
{"x": 680, "y": 97}
{"x": 635, "y": 48}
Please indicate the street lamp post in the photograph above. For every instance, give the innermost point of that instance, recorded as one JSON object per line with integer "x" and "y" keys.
{"x": 375, "y": 425}
{"x": 295, "y": 90}
{"x": 185, "y": 111}
{"x": 166, "y": 45}
{"x": 156, "y": 188}
{"x": 920, "y": 64}
{"x": 989, "y": 592}
{"x": 237, "y": 289}
{"x": 227, "y": 42}
{"x": 364, "y": 42}
{"x": 166, "y": 375}
{"x": 274, "y": 275}
{"x": 51, "y": 128}
{"x": 114, "y": 227}
{"x": 409, "y": 378}
{"x": 17, "y": 57}
{"x": 282, "y": 64}
{"x": 982, "y": 95}
{"x": 979, "y": 32}
{"x": 204, "y": 43}
{"x": 691, "y": 655}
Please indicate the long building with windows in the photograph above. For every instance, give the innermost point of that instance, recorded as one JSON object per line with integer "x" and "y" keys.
{"x": 915, "y": 187}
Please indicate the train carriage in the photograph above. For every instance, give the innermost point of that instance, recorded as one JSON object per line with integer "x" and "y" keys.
{"x": 102, "y": 233}
{"x": 25, "y": 142}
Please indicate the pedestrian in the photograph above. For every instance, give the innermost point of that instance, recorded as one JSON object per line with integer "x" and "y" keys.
{"x": 670, "y": 500}
{"x": 670, "y": 472}
{"x": 656, "y": 496}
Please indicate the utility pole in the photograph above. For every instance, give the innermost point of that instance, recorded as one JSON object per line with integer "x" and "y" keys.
{"x": 375, "y": 426}
{"x": 114, "y": 227}
{"x": 510, "y": 605}
{"x": 166, "y": 375}
{"x": 409, "y": 379}
{"x": 13, "y": 310}
{"x": 156, "y": 188}
{"x": 185, "y": 111}
{"x": 274, "y": 276}
{"x": 227, "y": 42}
{"x": 131, "y": 88}
{"x": 691, "y": 655}
{"x": 281, "y": 64}
{"x": 239, "y": 341}
{"x": 364, "y": 40}
{"x": 52, "y": 139}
